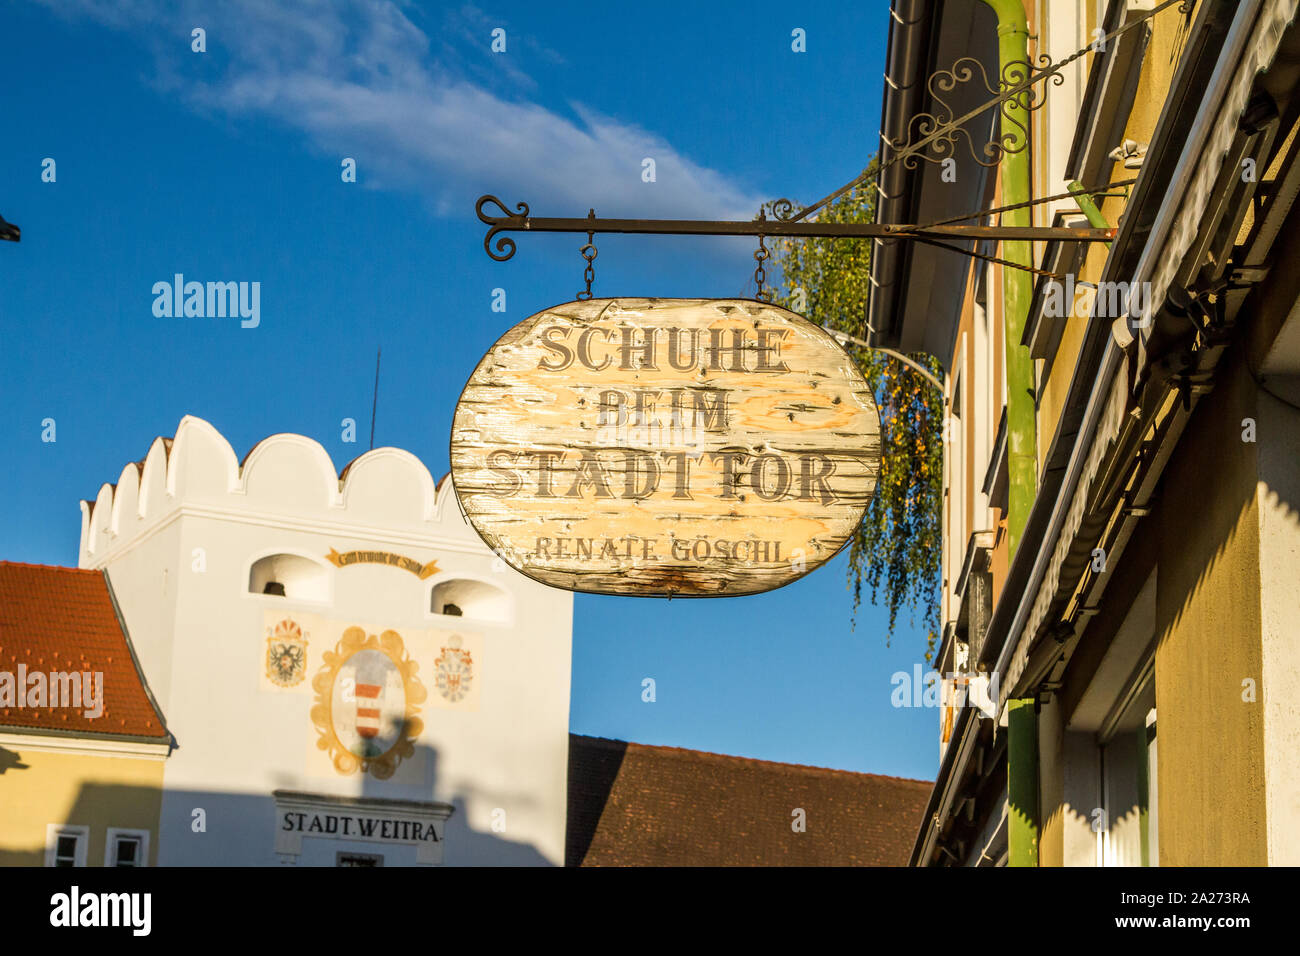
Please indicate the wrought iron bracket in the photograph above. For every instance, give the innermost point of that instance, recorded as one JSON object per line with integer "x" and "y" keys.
{"x": 521, "y": 221}
{"x": 1018, "y": 90}
{"x": 932, "y": 137}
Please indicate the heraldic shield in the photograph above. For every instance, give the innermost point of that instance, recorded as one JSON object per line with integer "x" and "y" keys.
{"x": 454, "y": 670}
{"x": 286, "y": 654}
{"x": 367, "y": 702}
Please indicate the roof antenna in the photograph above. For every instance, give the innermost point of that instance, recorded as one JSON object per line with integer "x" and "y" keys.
{"x": 374, "y": 406}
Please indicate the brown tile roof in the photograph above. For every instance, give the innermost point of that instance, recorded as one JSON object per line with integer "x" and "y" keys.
{"x": 636, "y": 805}
{"x": 63, "y": 619}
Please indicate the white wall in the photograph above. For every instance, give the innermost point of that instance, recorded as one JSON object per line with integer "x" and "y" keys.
{"x": 1278, "y": 494}
{"x": 179, "y": 564}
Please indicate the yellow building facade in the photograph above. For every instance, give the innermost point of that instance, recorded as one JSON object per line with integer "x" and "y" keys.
{"x": 98, "y": 799}
{"x": 82, "y": 741}
{"x": 1135, "y": 627}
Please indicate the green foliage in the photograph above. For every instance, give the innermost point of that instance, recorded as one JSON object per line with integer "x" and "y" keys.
{"x": 895, "y": 552}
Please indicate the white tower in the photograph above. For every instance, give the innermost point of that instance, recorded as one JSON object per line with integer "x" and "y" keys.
{"x": 350, "y": 675}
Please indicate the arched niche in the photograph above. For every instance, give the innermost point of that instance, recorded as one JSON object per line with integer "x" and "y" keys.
{"x": 471, "y": 600}
{"x": 290, "y": 576}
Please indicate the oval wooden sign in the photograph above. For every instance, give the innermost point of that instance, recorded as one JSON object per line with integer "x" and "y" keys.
{"x": 679, "y": 447}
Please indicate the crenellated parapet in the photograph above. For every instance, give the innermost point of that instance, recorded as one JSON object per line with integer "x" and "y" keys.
{"x": 284, "y": 477}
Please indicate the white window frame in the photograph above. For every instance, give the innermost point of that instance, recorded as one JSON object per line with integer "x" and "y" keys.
{"x": 110, "y": 845}
{"x": 55, "y": 830}
{"x": 960, "y": 404}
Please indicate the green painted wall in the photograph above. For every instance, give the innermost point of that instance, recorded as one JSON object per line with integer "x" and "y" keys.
{"x": 1022, "y": 783}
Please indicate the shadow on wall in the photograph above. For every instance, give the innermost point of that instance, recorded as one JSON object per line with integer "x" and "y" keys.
{"x": 211, "y": 828}
{"x": 588, "y": 794}
{"x": 10, "y": 760}
{"x": 464, "y": 845}
{"x": 1226, "y": 513}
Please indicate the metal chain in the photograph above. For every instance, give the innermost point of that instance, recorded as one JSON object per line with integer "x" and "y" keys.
{"x": 760, "y": 275}
{"x": 589, "y": 252}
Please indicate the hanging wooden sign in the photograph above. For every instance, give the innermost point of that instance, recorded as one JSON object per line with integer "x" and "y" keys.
{"x": 680, "y": 447}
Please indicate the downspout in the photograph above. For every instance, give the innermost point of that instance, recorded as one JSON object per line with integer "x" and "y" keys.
{"x": 1022, "y": 782}
{"x": 1017, "y": 284}
{"x": 1022, "y": 454}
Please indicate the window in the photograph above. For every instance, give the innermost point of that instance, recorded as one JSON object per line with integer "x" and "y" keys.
{"x": 65, "y": 849}
{"x": 66, "y": 845}
{"x": 1151, "y": 834}
{"x": 1109, "y": 753}
{"x": 1128, "y": 768}
{"x": 957, "y": 528}
{"x": 126, "y": 847}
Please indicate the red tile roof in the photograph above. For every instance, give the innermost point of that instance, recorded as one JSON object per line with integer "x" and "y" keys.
{"x": 636, "y": 805}
{"x": 63, "y": 620}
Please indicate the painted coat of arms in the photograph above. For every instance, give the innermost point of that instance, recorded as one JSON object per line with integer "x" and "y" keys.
{"x": 286, "y": 654}
{"x": 367, "y": 699}
{"x": 454, "y": 670}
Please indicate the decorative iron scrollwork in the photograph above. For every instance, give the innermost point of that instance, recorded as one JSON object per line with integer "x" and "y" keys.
{"x": 937, "y": 135}
{"x": 505, "y": 245}
{"x": 783, "y": 209}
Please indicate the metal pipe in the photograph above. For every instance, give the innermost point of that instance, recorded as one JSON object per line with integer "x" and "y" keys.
{"x": 843, "y": 337}
{"x": 1017, "y": 286}
{"x": 1087, "y": 205}
{"x": 1014, "y": 66}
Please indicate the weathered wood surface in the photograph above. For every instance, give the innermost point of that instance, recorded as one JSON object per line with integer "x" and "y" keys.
{"x": 682, "y": 447}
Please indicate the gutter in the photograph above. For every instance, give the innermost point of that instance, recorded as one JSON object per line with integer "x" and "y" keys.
{"x": 22, "y": 730}
{"x": 1014, "y": 66}
{"x": 909, "y": 36}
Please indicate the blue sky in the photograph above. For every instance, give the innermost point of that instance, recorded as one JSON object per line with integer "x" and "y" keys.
{"x": 226, "y": 165}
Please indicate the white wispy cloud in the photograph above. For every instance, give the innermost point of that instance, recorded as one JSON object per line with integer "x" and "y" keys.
{"x": 361, "y": 78}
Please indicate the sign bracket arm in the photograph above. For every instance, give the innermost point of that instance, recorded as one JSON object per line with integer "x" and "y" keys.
{"x": 521, "y": 221}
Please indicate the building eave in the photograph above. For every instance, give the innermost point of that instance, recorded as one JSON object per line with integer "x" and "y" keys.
{"x": 926, "y": 36}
